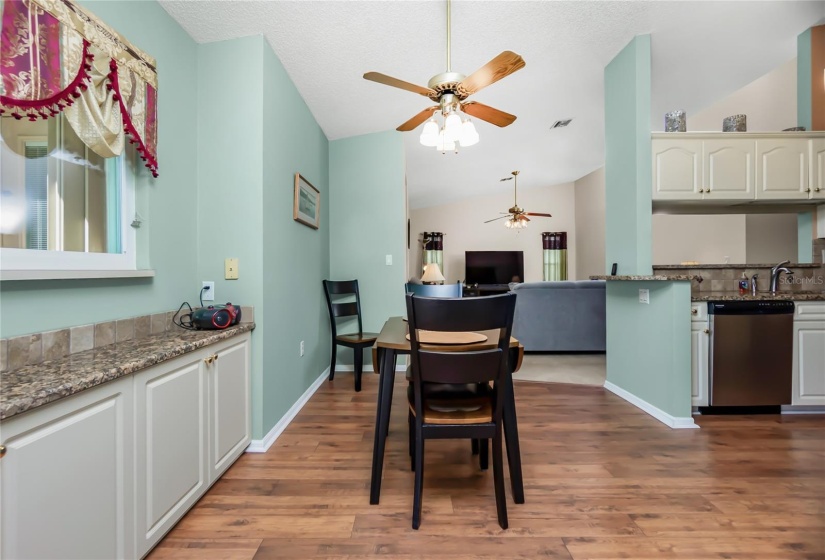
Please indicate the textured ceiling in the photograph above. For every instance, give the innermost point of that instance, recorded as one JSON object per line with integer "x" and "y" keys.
{"x": 702, "y": 51}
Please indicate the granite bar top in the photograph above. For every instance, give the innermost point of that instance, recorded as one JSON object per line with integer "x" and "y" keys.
{"x": 722, "y": 266}
{"x": 655, "y": 277}
{"x": 760, "y": 296}
{"x": 31, "y": 386}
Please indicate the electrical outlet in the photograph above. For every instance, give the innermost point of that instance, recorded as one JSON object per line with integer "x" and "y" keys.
{"x": 388, "y": 260}
{"x": 644, "y": 296}
{"x": 208, "y": 295}
{"x": 302, "y": 348}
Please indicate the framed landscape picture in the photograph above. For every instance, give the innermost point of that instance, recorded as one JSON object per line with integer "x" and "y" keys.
{"x": 307, "y": 204}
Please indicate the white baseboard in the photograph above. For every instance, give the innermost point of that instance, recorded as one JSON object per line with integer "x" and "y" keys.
{"x": 262, "y": 445}
{"x": 657, "y": 413}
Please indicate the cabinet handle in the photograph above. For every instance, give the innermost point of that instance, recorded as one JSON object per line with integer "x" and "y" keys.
{"x": 2, "y": 451}
{"x": 701, "y": 190}
{"x": 817, "y": 189}
{"x": 706, "y": 331}
{"x": 694, "y": 311}
{"x": 808, "y": 189}
{"x": 208, "y": 360}
{"x": 215, "y": 357}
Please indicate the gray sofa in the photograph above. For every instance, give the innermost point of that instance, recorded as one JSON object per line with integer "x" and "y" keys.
{"x": 566, "y": 316}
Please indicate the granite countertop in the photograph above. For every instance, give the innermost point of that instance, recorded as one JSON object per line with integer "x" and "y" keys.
{"x": 722, "y": 266}
{"x": 654, "y": 277}
{"x": 760, "y": 296}
{"x": 35, "y": 385}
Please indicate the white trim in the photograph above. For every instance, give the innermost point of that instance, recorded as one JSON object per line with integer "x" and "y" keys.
{"x": 262, "y": 445}
{"x": 73, "y": 274}
{"x": 801, "y": 135}
{"x": 657, "y": 413}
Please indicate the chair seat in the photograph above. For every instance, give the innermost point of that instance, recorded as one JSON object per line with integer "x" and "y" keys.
{"x": 445, "y": 403}
{"x": 356, "y": 338}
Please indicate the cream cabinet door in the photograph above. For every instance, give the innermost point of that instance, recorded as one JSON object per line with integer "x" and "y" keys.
{"x": 699, "y": 337}
{"x": 677, "y": 169}
{"x": 230, "y": 427}
{"x": 818, "y": 170}
{"x": 66, "y": 478}
{"x": 729, "y": 169}
{"x": 782, "y": 169}
{"x": 809, "y": 363}
{"x": 171, "y": 439}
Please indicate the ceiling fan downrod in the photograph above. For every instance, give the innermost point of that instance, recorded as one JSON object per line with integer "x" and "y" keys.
{"x": 448, "y": 36}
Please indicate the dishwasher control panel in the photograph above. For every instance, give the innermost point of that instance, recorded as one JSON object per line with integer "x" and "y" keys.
{"x": 750, "y": 307}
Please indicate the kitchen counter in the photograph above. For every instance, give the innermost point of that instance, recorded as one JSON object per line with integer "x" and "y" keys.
{"x": 760, "y": 296}
{"x": 32, "y": 386}
{"x": 648, "y": 278}
{"x": 714, "y": 266}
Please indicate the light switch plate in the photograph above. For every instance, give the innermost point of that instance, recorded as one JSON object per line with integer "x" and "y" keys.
{"x": 388, "y": 260}
{"x": 644, "y": 296}
{"x": 230, "y": 269}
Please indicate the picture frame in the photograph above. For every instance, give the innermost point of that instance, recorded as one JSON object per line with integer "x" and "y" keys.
{"x": 306, "y": 206}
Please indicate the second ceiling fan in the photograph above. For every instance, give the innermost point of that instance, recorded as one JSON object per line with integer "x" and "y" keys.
{"x": 517, "y": 216}
{"x": 450, "y": 90}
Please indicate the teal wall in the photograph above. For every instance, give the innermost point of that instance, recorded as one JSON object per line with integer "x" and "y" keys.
{"x": 803, "y": 80}
{"x": 296, "y": 258}
{"x": 230, "y": 187}
{"x": 648, "y": 345}
{"x": 805, "y": 224}
{"x": 167, "y": 239}
{"x": 628, "y": 175}
{"x": 368, "y": 222}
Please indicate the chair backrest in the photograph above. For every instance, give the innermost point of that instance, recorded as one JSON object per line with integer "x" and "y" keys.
{"x": 435, "y": 290}
{"x": 342, "y": 309}
{"x": 465, "y": 365}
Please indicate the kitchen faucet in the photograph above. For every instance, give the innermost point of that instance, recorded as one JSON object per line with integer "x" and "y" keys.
{"x": 776, "y": 271}
{"x": 753, "y": 284}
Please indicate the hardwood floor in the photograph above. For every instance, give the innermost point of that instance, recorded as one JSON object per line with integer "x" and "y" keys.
{"x": 602, "y": 480}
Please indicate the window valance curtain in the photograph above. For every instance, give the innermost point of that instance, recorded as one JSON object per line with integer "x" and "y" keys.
{"x": 57, "y": 57}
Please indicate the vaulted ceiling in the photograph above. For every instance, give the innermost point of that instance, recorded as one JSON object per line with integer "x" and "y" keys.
{"x": 702, "y": 51}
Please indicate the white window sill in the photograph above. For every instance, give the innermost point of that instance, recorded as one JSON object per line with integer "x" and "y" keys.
{"x": 73, "y": 274}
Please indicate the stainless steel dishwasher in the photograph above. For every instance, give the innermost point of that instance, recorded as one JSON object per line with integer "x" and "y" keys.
{"x": 751, "y": 352}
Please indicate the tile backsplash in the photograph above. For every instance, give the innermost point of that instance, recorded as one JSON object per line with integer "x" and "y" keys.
{"x": 31, "y": 349}
{"x": 805, "y": 279}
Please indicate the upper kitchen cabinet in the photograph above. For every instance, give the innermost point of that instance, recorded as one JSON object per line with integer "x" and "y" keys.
{"x": 731, "y": 168}
{"x": 677, "y": 169}
{"x": 782, "y": 169}
{"x": 817, "y": 169}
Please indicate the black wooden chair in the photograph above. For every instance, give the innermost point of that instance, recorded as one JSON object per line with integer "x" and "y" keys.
{"x": 476, "y": 413}
{"x": 357, "y": 340}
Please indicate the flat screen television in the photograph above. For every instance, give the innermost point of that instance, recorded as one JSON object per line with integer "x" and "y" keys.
{"x": 493, "y": 267}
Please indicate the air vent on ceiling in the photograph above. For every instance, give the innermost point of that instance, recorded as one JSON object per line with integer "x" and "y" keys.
{"x": 560, "y": 124}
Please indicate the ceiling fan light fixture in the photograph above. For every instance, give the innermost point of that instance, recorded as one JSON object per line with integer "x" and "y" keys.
{"x": 429, "y": 135}
{"x": 443, "y": 144}
{"x": 469, "y": 135}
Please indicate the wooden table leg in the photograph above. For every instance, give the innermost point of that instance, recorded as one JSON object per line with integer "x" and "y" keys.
{"x": 382, "y": 419}
{"x": 511, "y": 435}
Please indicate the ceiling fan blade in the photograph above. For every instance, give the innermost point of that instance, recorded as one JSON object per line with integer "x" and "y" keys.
{"x": 418, "y": 119}
{"x": 539, "y": 214}
{"x": 494, "y": 219}
{"x": 487, "y": 113}
{"x": 500, "y": 67}
{"x": 523, "y": 218}
{"x": 395, "y": 82}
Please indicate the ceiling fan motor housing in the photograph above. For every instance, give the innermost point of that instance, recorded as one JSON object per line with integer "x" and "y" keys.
{"x": 447, "y": 83}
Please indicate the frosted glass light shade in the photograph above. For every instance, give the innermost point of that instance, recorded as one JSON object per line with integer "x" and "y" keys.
{"x": 469, "y": 135}
{"x": 443, "y": 145}
{"x": 429, "y": 136}
{"x": 452, "y": 127}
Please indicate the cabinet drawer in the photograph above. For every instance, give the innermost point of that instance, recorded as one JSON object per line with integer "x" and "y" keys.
{"x": 699, "y": 311}
{"x": 810, "y": 311}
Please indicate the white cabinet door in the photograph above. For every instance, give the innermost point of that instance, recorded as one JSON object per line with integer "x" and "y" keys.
{"x": 809, "y": 363}
{"x": 782, "y": 169}
{"x": 818, "y": 170}
{"x": 230, "y": 426}
{"x": 66, "y": 478}
{"x": 171, "y": 408}
{"x": 729, "y": 169}
{"x": 699, "y": 336}
{"x": 677, "y": 169}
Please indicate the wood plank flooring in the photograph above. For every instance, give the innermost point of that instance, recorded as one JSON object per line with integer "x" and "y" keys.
{"x": 603, "y": 480}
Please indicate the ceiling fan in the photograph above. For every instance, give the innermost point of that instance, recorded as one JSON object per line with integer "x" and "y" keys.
{"x": 450, "y": 90}
{"x": 516, "y": 216}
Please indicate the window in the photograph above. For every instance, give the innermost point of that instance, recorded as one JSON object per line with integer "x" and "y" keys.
{"x": 63, "y": 207}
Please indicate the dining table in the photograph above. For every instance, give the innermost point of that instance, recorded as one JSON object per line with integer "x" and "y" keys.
{"x": 393, "y": 342}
